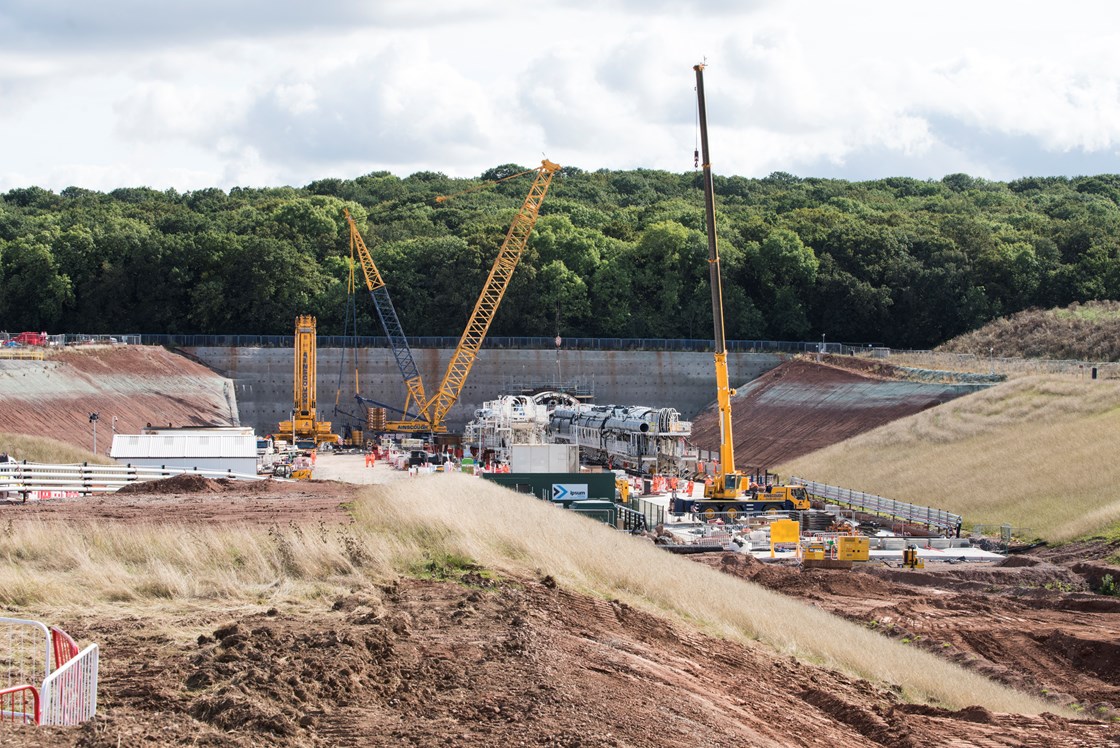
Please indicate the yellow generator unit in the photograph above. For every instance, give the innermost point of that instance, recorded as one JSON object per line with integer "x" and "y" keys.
{"x": 814, "y": 552}
{"x": 853, "y": 548}
{"x": 910, "y": 559}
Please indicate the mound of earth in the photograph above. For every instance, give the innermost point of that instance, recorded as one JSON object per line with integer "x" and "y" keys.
{"x": 1031, "y": 623}
{"x": 185, "y": 483}
{"x": 1087, "y": 331}
{"x": 475, "y": 662}
{"x": 128, "y": 386}
{"x": 803, "y": 405}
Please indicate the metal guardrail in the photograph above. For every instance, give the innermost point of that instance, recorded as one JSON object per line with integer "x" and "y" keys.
{"x": 866, "y": 502}
{"x": 48, "y": 481}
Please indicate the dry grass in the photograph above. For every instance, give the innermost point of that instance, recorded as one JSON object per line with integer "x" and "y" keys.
{"x": 1084, "y": 332}
{"x": 44, "y": 449}
{"x": 408, "y": 526}
{"x": 1035, "y": 452}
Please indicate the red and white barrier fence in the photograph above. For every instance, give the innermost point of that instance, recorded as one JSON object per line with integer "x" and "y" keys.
{"x": 44, "y": 679}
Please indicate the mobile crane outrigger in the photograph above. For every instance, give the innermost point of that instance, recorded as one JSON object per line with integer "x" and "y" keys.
{"x": 729, "y": 492}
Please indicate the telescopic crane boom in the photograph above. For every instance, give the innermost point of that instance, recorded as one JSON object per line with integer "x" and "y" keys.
{"x": 727, "y": 483}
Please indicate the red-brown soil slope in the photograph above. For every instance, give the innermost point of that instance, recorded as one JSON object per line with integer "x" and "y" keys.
{"x": 479, "y": 661}
{"x": 137, "y": 384}
{"x": 803, "y": 405}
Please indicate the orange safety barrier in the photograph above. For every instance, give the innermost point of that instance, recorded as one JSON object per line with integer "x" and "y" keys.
{"x": 20, "y": 704}
{"x": 65, "y": 648}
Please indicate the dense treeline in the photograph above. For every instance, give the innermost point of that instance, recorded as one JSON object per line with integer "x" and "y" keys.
{"x": 899, "y": 261}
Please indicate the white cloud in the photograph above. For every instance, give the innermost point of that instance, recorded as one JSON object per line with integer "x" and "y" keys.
{"x": 204, "y": 93}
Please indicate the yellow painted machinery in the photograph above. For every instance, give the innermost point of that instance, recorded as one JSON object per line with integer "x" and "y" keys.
{"x": 910, "y": 558}
{"x": 305, "y": 424}
{"x": 423, "y": 414}
{"x": 728, "y": 491}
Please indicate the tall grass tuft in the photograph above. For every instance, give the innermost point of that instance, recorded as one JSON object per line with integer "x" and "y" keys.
{"x": 1035, "y": 452}
{"x": 44, "y": 449}
{"x": 514, "y": 533}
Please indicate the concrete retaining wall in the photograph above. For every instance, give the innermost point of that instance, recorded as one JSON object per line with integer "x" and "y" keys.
{"x": 681, "y": 380}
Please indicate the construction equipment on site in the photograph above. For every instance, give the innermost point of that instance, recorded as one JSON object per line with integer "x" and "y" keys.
{"x": 729, "y": 492}
{"x": 910, "y": 558}
{"x": 391, "y": 324}
{"x": 305, "y": 424}
{"x": 430, "y": 413}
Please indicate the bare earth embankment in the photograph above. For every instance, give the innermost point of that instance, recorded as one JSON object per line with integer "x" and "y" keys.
{"x": 442, "y": 611}
{"x": 139, "y": 385}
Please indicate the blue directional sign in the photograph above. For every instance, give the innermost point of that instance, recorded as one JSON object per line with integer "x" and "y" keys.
{"x": 569, "y": 491}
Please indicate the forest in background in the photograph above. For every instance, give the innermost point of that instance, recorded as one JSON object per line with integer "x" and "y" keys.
{"x": 900, "y": 262}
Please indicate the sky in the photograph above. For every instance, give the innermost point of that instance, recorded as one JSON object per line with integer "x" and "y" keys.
{"x": 255, "y": 93}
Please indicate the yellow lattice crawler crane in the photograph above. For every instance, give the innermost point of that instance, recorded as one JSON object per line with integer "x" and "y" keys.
{"x": 305, "y": 424}
{"x": 421, "y": 413}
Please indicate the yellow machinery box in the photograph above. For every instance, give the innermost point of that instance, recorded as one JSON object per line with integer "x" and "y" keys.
{"x": 815, "y": 552}
{"x": 853, "y": 548}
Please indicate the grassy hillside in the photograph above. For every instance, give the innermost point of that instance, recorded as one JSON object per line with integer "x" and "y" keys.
{"x": 1081, "y": 332}
{"x": 1037, "y": 452}
{"x": 438, "y": 527}
{"x": 43, "y": 449}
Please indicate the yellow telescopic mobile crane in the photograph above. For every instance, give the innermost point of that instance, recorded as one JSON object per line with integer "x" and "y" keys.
{"x": 729, "y": 493}
{"x": 727, "y": 484}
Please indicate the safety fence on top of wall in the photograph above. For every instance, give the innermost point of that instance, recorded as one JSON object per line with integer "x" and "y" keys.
{"x": 497, "y": 342}
{"x": 873, "y": 504}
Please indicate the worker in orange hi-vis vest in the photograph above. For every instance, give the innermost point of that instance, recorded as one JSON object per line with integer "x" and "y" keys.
{"x": 314, "y": 453}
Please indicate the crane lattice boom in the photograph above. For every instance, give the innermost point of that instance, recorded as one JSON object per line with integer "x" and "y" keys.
{"x": 492, "y": 292}
{"x": 387, "y": 313}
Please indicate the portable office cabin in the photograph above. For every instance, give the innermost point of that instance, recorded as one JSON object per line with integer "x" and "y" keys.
{"x": 225, "y": 450}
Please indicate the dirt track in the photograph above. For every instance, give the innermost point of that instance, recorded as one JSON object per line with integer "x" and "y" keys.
{"x": 520, "y": 661}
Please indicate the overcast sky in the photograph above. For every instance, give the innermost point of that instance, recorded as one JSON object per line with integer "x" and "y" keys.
{"x": 202, "y": 93}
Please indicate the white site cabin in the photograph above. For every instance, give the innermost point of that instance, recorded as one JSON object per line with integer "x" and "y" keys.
{"x": 228, "y": 449}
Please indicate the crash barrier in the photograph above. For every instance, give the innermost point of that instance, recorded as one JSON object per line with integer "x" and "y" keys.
{"x": 44, "y": 679}
{"x": 32, "y": 480}
{"x": 867, "y": 502}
